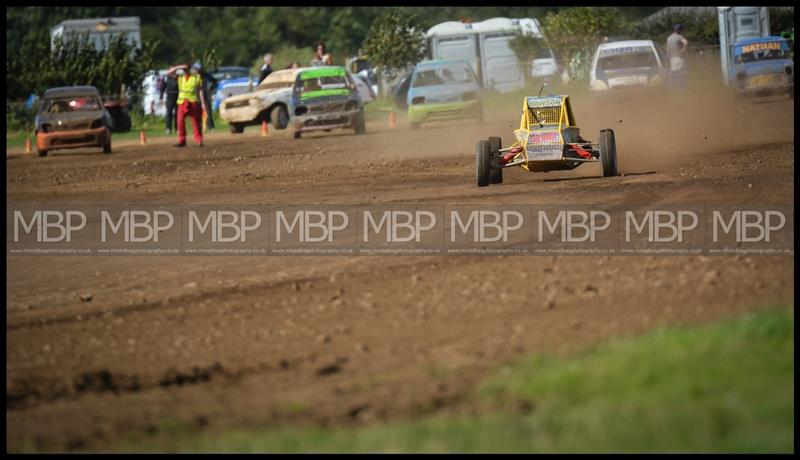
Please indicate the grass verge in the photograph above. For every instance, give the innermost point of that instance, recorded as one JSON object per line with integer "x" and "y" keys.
{"x": 726, "y": 387}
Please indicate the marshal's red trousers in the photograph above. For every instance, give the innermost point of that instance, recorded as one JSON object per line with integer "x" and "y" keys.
{"x": 194, "y": 111}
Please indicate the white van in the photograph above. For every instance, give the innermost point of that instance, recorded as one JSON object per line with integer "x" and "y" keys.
{"x": 625, "y": 65}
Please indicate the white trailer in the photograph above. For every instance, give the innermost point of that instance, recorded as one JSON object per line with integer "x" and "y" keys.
{"x": 500, "y": 67}
{"x": 100, "y": 30}
{"x": 485, "y": 46}
{"x": 455, "y": 40}
{"x": 739, "y": 23}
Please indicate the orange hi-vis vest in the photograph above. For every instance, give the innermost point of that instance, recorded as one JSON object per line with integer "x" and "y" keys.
{"x": 188, "y": 88}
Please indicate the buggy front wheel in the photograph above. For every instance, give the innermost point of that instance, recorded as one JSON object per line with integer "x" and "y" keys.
{"x": 608, "y": 152}
{"x": 483, "y": 163}
{"x": 495, "y": 174}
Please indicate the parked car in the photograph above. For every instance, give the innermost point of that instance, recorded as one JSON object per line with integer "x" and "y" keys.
{"x": 326, "y": 98}
{"x": 230, "y": 73}
{"x": 72, "y": 117}
{"x": 625, "y": 65}
{"x": 443, "y": 90}
{"x": 762, "y": 67}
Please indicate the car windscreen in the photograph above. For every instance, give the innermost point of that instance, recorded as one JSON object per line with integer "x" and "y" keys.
{"x": 71, "y": 104}
{"x": 627, "y": 61}
{"x": 442, "y": 75}
{"x": 227, "y": 74}
{"x": 763, "y": 55}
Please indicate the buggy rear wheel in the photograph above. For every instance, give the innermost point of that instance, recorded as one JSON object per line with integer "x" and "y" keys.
{"x": 236, "y": 128}
{"x": 495, "y": 174}
{"x": 483, "y": 163}
{"x": 608, "y": 152}
{"x": 107, "y": 147}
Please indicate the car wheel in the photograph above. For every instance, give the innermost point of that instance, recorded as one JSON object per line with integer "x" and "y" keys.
{"x": 483, "y": 163}
{"x": 107, "y": 147}
{"x": 41, "y": 153}
{"x": 297, "y": 134}
{"x": 236, "y": 128}
{"x": 361, "y": 123}
{"x": 495, "y": 174}
{"x": 608, "y": 152}
{"x": 280, "y": 117}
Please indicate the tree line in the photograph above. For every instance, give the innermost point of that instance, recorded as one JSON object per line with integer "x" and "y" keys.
{"x": 240, "y": 35}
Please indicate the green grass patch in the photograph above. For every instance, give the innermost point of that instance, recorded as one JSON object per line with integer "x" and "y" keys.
{"x": 727, "y": 387}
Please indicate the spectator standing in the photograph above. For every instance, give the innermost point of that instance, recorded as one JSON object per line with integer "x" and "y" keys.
{"x": 266, "y": 68}
{"x": 321, "y": 56}
{"x": 676, "y": 52}
{"x": 169, "y": 88}
{"x": 209, "y": 85}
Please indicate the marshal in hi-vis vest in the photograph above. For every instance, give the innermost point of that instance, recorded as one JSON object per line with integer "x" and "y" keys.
{"x": 189, "y": 88}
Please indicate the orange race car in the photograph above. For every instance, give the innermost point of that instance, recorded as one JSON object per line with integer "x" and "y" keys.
{"x": 72, "y": 117}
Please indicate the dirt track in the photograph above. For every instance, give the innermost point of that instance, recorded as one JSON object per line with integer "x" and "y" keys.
{"x": 226, "y": 341}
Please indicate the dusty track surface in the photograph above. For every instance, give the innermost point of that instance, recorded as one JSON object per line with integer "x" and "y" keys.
{"x": 221, "y": 342}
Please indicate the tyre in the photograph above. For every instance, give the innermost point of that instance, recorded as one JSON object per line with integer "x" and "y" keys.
{"x": 41, "y": 153}
{"x": 236, "y": 128}
{"x": 122, "y": 121}
{"x": 280, "y": 117}
{"x": 483, "y": 163}
{"x": 107, "y": 147}
{"x": 297, "y": 134}
{"x": 495, "y": 174}
{"x": 361, "y": 123}
{"x": 608, "y": 152}
{"x": 414, "y": 125}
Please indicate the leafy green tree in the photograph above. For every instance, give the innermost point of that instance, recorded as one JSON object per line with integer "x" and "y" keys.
{"x": 572, "y": 30}
{"x": 394, "y": 41}
{"x": 528, "y": 48}
{"x": 699, "y": 28}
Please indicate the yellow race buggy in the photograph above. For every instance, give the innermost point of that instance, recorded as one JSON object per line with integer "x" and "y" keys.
{"x": 547, "y": 140}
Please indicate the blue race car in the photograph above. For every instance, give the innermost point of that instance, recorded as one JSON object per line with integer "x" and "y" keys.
{"x": 443, "y": 90}
{"x": 762, "y": 67}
